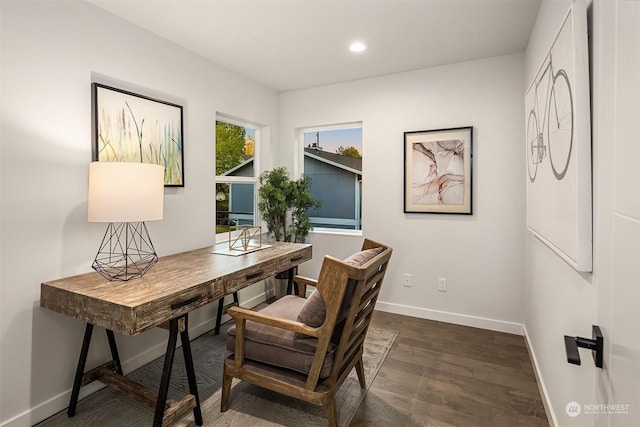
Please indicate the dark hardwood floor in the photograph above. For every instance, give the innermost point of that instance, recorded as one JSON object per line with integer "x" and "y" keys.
{"x": 436, "y": 374}
{"x": 440, "y": 374}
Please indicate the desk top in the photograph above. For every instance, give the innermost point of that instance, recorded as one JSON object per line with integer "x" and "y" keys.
{"x": 175, "y": 285}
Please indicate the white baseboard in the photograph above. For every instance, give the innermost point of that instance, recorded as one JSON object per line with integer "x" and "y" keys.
{"x": 455, "y": 318}
{"x": 551, "y": 417}
{"x": 60, "y": 402}
{"x": 50, "y": 407}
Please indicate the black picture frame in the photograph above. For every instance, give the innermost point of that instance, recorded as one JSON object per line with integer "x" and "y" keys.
{"x": 129, "y": 127}
{"x": 438, "y": 172}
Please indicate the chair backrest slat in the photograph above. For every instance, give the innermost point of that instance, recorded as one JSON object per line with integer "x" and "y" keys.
{"x": 367, "y": 280}
{"x": 375, "y": 280}
{"x": 353, "y": 347}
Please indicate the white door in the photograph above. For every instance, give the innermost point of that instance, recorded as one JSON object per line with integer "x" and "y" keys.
{"x": 616, "y": 87}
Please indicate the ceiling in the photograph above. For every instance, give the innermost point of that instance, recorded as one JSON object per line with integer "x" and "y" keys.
{"x": 296, "y": 44}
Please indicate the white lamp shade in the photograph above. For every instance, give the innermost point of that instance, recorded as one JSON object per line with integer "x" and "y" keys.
{"x": 125, "y": 192}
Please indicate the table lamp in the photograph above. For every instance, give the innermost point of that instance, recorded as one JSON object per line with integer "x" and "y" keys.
{"x": 125, "y": 195}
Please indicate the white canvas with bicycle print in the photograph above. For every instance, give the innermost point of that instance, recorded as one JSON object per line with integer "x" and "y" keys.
{"x": 558, "y": 145}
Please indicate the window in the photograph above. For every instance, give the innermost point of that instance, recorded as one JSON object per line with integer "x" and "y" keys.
{"x": 332, "y": 158}
{"x": 236, "y": 179}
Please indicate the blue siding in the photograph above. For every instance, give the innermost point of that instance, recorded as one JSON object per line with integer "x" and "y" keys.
{"x": 335, "y": 188}
{"x": 241, "y": 198}
{"x": 244, "y": 170}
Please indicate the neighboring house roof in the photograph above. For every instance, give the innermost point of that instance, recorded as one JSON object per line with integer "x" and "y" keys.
{"x": 232, "y": 171}
{"x": 347, "y": 163}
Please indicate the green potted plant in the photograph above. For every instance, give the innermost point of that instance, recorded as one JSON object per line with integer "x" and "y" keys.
{"x": 284, "y": 203}
{"x": 302, "y": 201}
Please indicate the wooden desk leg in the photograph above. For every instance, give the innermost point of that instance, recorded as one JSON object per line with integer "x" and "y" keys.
{"x": 216, "y": 330}
{"x": 114, "y": 351}
{"x": 290, "y": 282}
{"x": 166, "y": 373}
{"x": 161, "y": 403}
{"x": 77, "y": 383}
{"x": 236, "y": 301}
{"x": 191, "y": 373}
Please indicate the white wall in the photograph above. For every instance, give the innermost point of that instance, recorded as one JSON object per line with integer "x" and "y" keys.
{"x": 480, "y": 255}
{"x": 51, "y": 52}
{"x": 560, "y": 300}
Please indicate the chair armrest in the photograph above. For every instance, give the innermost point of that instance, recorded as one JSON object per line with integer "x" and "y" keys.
{"x": 303, "y": 282}
{"x": 243, "y": 314}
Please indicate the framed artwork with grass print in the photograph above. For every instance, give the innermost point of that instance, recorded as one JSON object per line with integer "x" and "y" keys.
{"x": 437, "y": 171}
{"x": 128, "y": 127}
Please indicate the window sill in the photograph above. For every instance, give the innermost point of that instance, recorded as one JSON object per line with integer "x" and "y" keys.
{"x": 336, "y": 232}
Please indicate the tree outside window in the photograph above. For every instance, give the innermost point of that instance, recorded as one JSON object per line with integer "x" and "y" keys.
{"x": 235, "y": 175}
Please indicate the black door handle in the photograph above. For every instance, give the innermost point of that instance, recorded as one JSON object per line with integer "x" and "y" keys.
{"x": 596, "y": 345}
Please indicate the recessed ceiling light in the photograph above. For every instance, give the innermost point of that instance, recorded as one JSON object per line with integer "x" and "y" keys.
{"x": 358, "y": 47}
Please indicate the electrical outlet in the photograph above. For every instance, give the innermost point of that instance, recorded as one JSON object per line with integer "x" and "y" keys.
{"x": 442, "y": 284}
{"x": 406, "y": 280}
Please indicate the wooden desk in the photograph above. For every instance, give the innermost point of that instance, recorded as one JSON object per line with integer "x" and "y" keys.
{"x": 163, "y": 297}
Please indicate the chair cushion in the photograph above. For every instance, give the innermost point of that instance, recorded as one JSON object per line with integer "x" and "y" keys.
{"x": 363, "y": 257}
{"x": 313, "y": 312}
{"x": 279, "y": 347}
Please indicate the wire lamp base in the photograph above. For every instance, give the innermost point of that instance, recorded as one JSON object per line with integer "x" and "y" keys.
{"x": 126, "y": 252}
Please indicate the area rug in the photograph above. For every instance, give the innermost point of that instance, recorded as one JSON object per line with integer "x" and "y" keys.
{"x": 248, "y": 405}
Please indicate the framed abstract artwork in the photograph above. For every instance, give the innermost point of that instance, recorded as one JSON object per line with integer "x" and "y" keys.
{"x": 437, "y": 171}
{"x": 558, "y": 144}
{"x": 128, "y": 127}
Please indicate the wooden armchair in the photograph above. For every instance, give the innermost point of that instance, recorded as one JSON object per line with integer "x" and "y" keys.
{"x": 306, "y": 348}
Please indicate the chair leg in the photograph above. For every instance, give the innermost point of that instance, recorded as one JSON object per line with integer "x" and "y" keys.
{"x": 360, "y": 372}
{"x": 332, "y": 413}
{"x": 226, "y": 390}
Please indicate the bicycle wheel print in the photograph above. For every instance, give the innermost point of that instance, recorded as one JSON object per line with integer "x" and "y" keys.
{"x": 533, "y": 157}
{"x": 560, "y": 124}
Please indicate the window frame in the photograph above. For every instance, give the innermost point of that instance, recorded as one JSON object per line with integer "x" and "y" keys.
{"x": 226, "y": 179}
{"x": 299, "y": 170}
